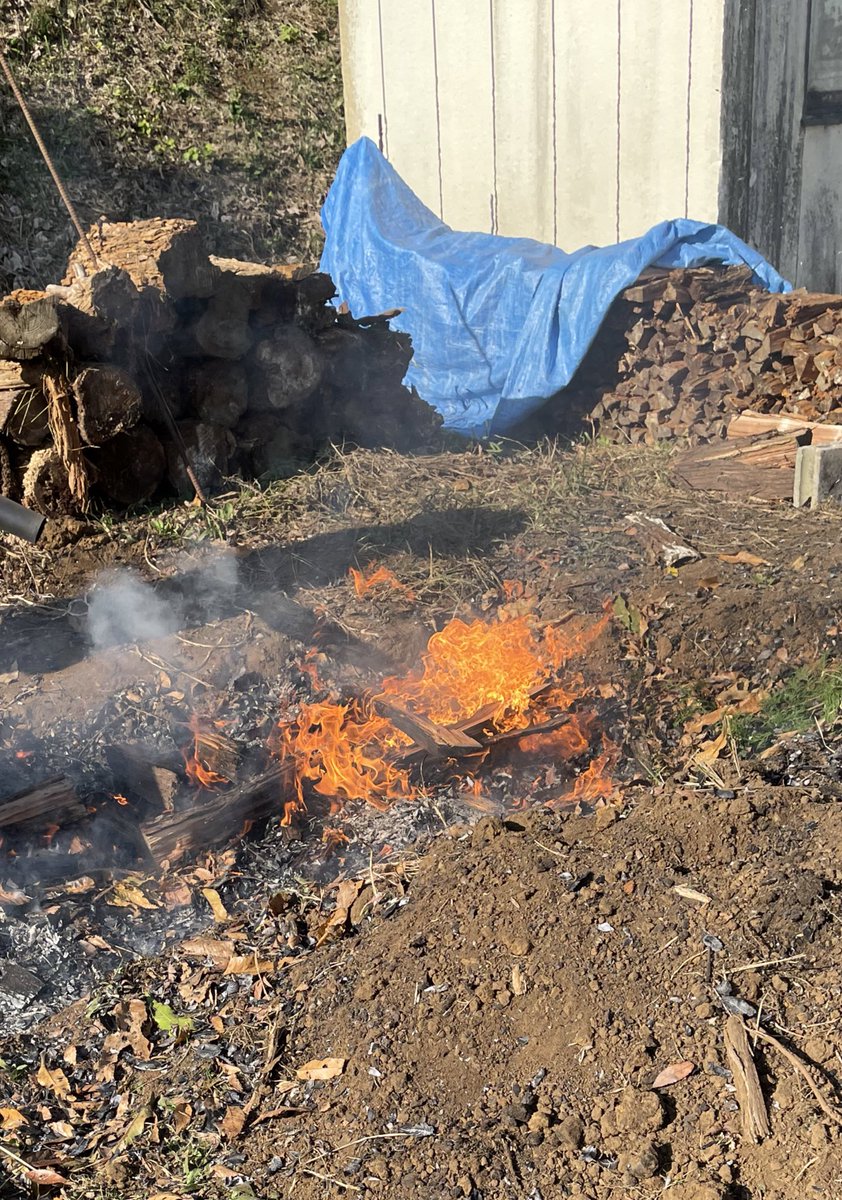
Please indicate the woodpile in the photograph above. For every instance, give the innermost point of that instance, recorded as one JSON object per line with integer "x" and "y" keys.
{"x": 682, "y": 352}
{"x": 107, "y": 379}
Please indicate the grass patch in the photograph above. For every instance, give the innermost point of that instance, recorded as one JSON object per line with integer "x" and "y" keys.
{"x": 810, "y": 694}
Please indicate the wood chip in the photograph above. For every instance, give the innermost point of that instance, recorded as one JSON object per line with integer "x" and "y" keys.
{"x": 746, "y": 1082}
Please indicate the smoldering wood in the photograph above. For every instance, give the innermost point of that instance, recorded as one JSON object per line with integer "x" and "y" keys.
{"x": 209, "y": 448}
{"x": 437, "y": 740}
{"x": 145, "y": 773}
{"x": 216, "y": 818}
{"x": 286, "y": 368}
{"x": 218, "y": 392}
{"x": 53, "y": 801}
{"x": 164, "y": 253}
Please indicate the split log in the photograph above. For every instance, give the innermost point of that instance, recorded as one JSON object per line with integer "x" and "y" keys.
{"x": 764, "y": 469}
{"x": 54, "y": 801}
{"x": 65, "y": 434}
{"x": 27, "y": 329}
{"x": 167, "y": 254}
{"x": 209, "y": 448}
{"x": 287, "y": 368}
{"x": 751, "y": 424}
{"x": 130, "y": 467}
{"x": 218, "y": 392}
{"x": 108, "y": 402}
{"x": 216, "y": 819}
{"x": 147, "y": 774}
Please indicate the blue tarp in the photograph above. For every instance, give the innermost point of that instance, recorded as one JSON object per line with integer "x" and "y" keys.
{"x": 498, "y": 324}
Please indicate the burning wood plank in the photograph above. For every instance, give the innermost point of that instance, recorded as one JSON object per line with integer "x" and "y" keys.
{"x": 54, "y": 800}
{"x": 438, "y": 740}
{"x": 216, "y": 818}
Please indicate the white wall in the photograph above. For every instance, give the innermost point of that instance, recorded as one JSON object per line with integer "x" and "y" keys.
{"x": 571, "y": 121}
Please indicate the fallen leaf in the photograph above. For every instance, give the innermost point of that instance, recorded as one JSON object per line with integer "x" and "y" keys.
{"x": 55, "y": 1080}
{"x": 233, "y": 1121}
{"x": 673, "y": 1074}
{"x": 743, "y": 556}
{"x": 167, "y": 1021}
{"x": 182, "y": 1114}
{"x": 80, "y": 885}
{"x": 322, "y": 1068}
{"x": 130, "y": 1017}
{"x": 220, "y": 912}
{"x": 248, "y": 964}
{"x": 71, "y": 1055}
{"x": 127, "y": 895}
{"x": 62, "y": 1130}
{"x": 218, "y": 950}
{"x": 44, "y": 1177}
{"x": 711, "y": 751}
{"x": 178, "y": 895}
{"x": 10, "y": 1118}
{"x": 798, "y": 563}
{"x": 346, "y": 893}
{"x": 688, "y": 893}
{"x": 164, "y": 680}
{"x": 134, "y": 1129}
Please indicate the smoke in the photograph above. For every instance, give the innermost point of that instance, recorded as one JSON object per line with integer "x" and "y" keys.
{"x": 123, "y": 608}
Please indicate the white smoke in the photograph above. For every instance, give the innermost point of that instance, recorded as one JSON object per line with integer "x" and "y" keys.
{"x": 122, "y": 608}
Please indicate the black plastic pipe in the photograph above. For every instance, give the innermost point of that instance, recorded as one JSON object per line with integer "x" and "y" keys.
{"x": 22, "y": 522}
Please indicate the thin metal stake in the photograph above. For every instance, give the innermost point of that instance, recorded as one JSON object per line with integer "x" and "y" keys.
{"x": 45, "y": 154}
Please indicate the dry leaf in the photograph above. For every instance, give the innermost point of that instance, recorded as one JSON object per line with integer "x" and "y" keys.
{"x": 126, "y": 895}
{"x": 71, "y": 1055}
{"x": 711, "y": 751}
{"x": 798, "y": 563}
{"x": 134, "y": 1129}
{"x": 322, "y": 1068}
{"x": 44, "y": 1177}
{"x": 164, "y": 680}
{"x": 346, "y": 893}
{"x": 80, "y": 885}
{"x": 743, "y": 556}
{"x": 178, "y": 895}
{"x": 131, "y": 1016}
{"x": 220, "y": 912}
{"x": 673, "y": 1074}
{"x": 55, "y": 1080}
{"x": 233, "y": 1121}
{"x": 63, "y": 1130}
{"x": 219, "y": 951}
{"x": 248, "y": 964}
{"x": 688, "y": 893}
{"x": 10, "y": 1119}
{"x": 182, "y": 1114}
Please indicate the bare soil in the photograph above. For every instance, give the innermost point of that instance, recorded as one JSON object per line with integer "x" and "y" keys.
{"x": 495, "y": 998}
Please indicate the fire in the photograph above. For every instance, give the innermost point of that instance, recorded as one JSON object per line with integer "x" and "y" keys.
{"x": 196, "y": 771}
{"x": 500, "y": 676}
{"x": 119, "y": 798}
{"x": 363, "y": 585}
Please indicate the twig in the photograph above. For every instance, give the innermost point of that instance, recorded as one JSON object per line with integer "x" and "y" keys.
{"x": 767, "y": 962}
{"x": 755, "y": 1119}
{"x": 11, "y": 1154}
{"x": 349, "y": 1187}
{"x": 686, "y": 963}
{"x": 795, "y": 1061}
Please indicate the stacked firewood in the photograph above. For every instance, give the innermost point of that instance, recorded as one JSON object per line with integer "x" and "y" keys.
{"x": 160, "y": 355}
{"x": 683, "y": 351}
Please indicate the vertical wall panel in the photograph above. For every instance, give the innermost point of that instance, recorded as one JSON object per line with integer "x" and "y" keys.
{"x": 463, "y": 45}
{"x": 410, "y": 87}
{"x": 705, "y": 110}
{"x": 654, "y": 73}
{"x": 586, "y": 121}
{"x": 361, "y": 74}
{"x": 523, "y": 91}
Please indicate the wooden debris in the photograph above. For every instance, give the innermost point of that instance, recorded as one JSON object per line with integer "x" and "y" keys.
{"x": 661, "y": 540}
{"x": 54, "y": 800}
{"x": 763, "y": 467}
{"x": 217, "y": 818}
{"x": 746, "y": 1082}
{"x": 130, "y": 466}
{"x": 752, "y": 424}
{"x": 437, "y": 740}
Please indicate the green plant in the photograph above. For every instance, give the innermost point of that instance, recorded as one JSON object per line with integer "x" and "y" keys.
{"x": 289, "y": 34}
{"x": 810, "y": 694}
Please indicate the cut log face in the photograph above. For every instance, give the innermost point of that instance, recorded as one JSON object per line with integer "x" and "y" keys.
{"x": 164, "y": 253}
{"x": 287, "y": 368}
{"x": 130, "y": 467}
{"x": 23, "y": 405}
{"x": 45, "y": 484}
{"x": 27, "y": 329}
{"x": 223, "y": 330}
{"x": 218, "y": 392}
{"x": 108, "y": 402}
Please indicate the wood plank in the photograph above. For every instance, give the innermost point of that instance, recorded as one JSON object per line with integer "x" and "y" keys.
{"x": 53, "y": 801}
{"x": 750, "y": 424}
{"x": 438, "y": 740}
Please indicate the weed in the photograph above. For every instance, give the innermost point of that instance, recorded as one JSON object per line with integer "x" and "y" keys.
{"x": 810, "y": 694}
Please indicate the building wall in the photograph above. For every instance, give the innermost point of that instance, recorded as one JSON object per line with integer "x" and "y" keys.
{"x": 569, "y": 122}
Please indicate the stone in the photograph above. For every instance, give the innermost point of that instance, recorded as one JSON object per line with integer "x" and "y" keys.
{"x": 569, "y": 1132}
{"x": 818, "y": 475}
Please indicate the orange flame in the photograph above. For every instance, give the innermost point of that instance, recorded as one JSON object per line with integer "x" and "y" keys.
{"x": 363, "y": 585}
{"x": 120, "y": 799}
{"x": 479, "y": 672}
{"x": 196, "y": 771}
{"x": 595, "y": 782}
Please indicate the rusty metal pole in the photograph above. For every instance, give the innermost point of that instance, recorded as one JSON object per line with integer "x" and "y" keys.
{"x": 45, "y": 154}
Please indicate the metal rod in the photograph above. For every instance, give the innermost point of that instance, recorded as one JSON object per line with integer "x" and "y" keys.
{"x": 45, "y": 154}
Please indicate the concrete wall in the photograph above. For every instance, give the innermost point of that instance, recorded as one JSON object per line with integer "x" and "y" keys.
{"x": 571, "y": 121}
